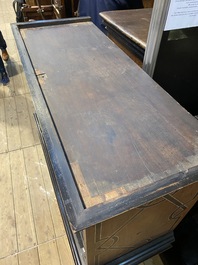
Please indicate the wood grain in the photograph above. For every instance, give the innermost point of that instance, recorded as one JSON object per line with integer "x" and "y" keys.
{"x": 29, "y": 257}
{"x": 26, "y": 235}
{"x": 11, "y": 260}
{"x": 133, "y": 23}
{"x": 132, "y": 229}
{"x": 64, "y": 251}
{"x": 31, "y": 111}
{"x": 43, "y": 219}
{"x": 13, "y": 132}
{"x": 112, "y": 119}
{"x": 48, "y": 253}
{"x": 53, "y": 205}
{"x": 148, "y": 3}
{"x": 26, "y": 133}
{"x": 3, "y": 138}
{"x": 8, "y": 234}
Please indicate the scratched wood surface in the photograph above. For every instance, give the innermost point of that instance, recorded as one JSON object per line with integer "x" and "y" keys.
{"x": 120, "y": 130}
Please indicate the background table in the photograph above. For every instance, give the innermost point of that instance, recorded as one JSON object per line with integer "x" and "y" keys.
{"x": 129, "y": 30}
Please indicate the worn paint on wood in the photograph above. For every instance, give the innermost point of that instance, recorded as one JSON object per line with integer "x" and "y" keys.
{"x": 113, "y": 120}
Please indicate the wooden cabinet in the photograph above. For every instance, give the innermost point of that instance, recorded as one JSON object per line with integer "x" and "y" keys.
{"x": 122, "y": 153}
{"x": 129, "y": 30}
{"x": 43, "y": 9}
{"x": 148, "y": 3}
{"x": 35, "y": 2}
{"x": 64, "y": 8}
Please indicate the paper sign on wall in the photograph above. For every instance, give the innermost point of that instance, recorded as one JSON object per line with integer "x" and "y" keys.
{"x": 182, "y": 14}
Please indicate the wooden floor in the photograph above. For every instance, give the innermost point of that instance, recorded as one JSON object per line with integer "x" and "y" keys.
{"x": 31, "y": 229}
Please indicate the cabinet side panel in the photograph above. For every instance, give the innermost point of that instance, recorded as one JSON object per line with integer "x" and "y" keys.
{"x": 137, "y": 227}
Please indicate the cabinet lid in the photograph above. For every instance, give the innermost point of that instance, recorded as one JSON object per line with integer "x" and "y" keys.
{"x": 115, "y": 139}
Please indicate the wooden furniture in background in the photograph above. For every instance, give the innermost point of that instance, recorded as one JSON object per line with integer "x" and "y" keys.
{"x": 148, "y": 3}
{"x": 129, "y": 30}
{"x": 43, "y": 9}
{"x": 122, "y": 153}
{"x": 34, "y": 2}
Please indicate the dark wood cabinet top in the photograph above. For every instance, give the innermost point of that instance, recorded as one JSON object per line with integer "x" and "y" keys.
{"x": 133, "y": 23}
{"x": 115, "y": 138}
